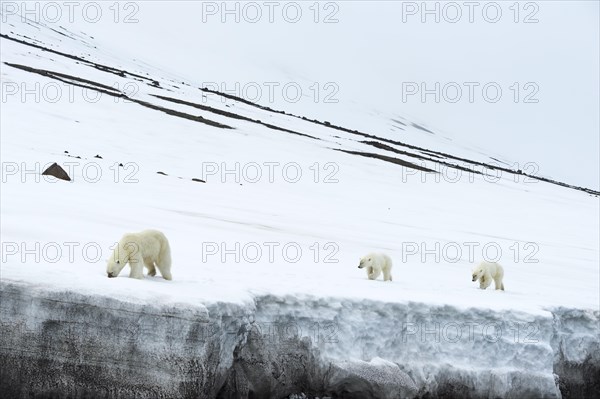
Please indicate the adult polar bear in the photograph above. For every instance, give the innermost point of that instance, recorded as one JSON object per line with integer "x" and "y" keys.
{"x": 485, "y": 272}
{"x": 375, "y": 264}
{"x": 146, "y": 248}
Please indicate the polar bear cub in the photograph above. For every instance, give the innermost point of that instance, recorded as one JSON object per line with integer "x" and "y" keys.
{"x": 485, "y": 272}
{"x": 148, "y": 248}
{"x": 375, "y": 264}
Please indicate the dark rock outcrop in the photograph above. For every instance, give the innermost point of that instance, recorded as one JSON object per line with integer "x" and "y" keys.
{"x": 56, "y": 171}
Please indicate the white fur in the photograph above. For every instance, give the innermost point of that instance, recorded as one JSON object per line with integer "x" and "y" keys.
{"x": 485, "y": 272}
{"x": 148, "y": 248}
{"x": 376, "y": 263}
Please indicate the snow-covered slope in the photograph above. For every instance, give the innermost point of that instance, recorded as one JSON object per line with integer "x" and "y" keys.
{"x": 273, "y": 236}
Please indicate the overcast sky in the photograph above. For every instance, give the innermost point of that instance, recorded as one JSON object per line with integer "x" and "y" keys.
{"x": 543, "y": 56}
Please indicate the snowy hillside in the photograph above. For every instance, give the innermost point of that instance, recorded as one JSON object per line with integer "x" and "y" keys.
{"x": 268, "y": 212}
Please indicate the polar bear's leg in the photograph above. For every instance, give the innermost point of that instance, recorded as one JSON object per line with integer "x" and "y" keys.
{"x": 164, "y": 262}
{"x": 387, "y": 272}
{"x": 136, "y": 262}
{"x": 499, "y": 277}
{"x": 485, "y": 281}
{"x": 369, "y": 272}
{"x": 374, "y": 274}
{"x": 165, "y": 271}
{"x": 387, "y": 275}
{"x": 387, "y": 269}
{"x": 150, "y": 266}
{"x": 498, "y": 283}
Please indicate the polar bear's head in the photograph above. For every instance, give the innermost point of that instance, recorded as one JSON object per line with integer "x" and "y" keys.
{"x": 117, "y": 261}
{"x": 365, "y": 261}
{"x": 478, "y": 273}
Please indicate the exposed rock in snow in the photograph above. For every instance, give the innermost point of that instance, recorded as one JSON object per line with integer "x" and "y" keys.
{"x": 56, "y": 171}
